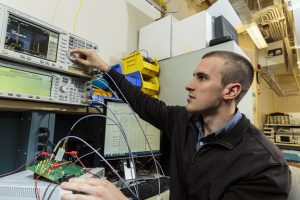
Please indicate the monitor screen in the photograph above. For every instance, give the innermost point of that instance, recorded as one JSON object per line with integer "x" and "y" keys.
{"x": 114, "y": 143}
{"x": 23, "y": 82}
{"x": 31, "y": 39}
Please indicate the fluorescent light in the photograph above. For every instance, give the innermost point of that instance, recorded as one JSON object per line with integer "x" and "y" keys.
{"x": 256, "y": 35}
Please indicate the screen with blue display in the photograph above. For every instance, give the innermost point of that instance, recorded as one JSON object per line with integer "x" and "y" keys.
{"x": 31, "y": 39}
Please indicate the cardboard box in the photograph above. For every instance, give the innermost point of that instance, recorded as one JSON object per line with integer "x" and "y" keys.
{"x": 156, "y": 37}
{"x": 192, "y": 33}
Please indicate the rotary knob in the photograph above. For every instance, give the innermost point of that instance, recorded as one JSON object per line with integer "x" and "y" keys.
{"x": 63, "y": 88}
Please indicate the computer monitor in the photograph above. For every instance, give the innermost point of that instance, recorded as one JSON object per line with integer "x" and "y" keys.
{"x": 114, "y": 142}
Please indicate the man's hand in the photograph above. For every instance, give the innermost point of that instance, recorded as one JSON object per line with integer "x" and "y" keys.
{"x": 90, "y": 59}
{"x": 92, "y": 189}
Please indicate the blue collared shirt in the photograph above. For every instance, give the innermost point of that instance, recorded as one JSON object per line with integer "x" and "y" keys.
{"x": 211, "y": 137}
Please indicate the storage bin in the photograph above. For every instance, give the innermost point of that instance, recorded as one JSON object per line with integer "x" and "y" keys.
{"x": 134, "y": 78}
{"x": 135, "y": 62}
{"x": 150, "y": 86}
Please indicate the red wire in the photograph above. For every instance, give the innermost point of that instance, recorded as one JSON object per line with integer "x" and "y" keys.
{"x": 8, "y": 173}
{"x": 57, "y": 165}
{"x": 86, "y": 169}
{"x": 36, "y": 188}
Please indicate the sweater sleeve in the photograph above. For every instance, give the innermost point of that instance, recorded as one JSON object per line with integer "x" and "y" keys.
{"x": 152, "y": 110}
{"x": 270, "y": 182}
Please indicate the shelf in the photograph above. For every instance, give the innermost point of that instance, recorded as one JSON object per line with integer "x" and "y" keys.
{"x": 17, "y": 105}
{"x": 288, "y": 146}
{"x": 287, "y": 125}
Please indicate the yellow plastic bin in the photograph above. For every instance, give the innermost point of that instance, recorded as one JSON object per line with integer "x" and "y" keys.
{"x": 135, "y": 62}
{"x": 150, "y": 86}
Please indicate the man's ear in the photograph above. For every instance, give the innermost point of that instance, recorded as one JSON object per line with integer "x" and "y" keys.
{"x": 232, "y": 90}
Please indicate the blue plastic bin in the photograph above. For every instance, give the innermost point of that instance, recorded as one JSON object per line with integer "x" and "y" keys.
{"x": 134, "y": 78}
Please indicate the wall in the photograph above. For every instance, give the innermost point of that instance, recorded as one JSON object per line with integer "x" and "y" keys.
{"x": 248, "y": 47}
{"x": 263, "y": 95}
{"x": 287, "y": 104}
{"x": 266, "y": 101}
{"x": 113, "y": 25}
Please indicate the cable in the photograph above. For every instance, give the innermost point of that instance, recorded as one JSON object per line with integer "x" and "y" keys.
{"x": 74, "y": 137}
{"x": 54, "y": 12}
{"x": 37, "y": 193}
{"x": 99, "y": 79}
{"x": 87, "y": 123}
{"x": 99, "y": 115}
{"x": 44, "y": 195}
{"x": 133, "y": 162}
{"x": 76, "y": 15}
{"x": 100, "y": 112}
{"x": 87, "y": 154}
{"x": 85, "y": 168}
{"x": 119, "y": 126}
{"x": 29, "y": 162}
{"x": 51, "y": 193}
{"x": 155, "y": 162}
{"x": 145, "y": 51}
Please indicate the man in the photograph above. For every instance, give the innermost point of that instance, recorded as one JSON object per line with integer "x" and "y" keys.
{"x": 216, "y": 153}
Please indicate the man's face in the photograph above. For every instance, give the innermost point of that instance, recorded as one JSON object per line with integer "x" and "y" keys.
{"x": 205, "y": 91}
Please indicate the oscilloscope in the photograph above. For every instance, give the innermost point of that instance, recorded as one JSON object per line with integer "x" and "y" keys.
{"x": 26, "y": 83}
{"x": 29, "y": 40}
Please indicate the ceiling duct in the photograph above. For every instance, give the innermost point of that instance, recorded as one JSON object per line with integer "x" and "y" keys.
{"x": 280, "y": 28}
{"x": 277, "y": 69}
{"x": 242, "y": 10}
{"x": 198, "y": 2}
{"x": 272, "y": 22}
{"x": 269, "y": 77}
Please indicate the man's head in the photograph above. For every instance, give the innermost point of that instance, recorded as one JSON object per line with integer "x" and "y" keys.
{"x": 220, "y": 78}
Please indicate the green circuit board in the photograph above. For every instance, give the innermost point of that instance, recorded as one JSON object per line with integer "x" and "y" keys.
{"x": 57, "y": 175}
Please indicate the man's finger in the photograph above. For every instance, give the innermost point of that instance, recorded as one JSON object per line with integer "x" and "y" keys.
{"x": 90, "y": 181}
{"x": 70, "y": 196}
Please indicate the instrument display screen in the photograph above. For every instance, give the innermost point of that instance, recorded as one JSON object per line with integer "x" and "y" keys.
{"x": 24, "y": 82}
{"x": 31, "y": 39}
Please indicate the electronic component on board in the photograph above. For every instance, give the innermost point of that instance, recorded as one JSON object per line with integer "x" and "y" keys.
{"x": 57, "y": 171}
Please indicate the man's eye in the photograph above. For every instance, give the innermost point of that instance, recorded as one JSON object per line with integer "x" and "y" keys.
{"x": 201, "y": 77}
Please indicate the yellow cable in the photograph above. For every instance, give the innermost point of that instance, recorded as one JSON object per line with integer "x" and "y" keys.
{"x": 162, "y": 4}
{"x": 77, "y": 13}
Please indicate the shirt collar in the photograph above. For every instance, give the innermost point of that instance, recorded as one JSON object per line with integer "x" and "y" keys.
{"x": 233, "y": 121}
{"x": 229, "y": 125}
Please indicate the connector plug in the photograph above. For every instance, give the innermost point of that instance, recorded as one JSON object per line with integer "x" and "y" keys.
{"x": 60, "y": 154}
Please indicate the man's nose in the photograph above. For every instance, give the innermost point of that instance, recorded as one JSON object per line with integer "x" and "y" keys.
{"x": 189, "y": 86}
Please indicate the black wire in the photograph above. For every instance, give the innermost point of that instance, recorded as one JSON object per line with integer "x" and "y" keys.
{"x": 87, "y": 111}
{"x": 36, "y": 191}
{"x": 51, "y": 193}
{"x": 44, "y": 195}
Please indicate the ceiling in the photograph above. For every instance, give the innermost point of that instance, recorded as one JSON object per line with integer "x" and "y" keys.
{"x": 279, "y": 23}
{"x": 278, "y": 63}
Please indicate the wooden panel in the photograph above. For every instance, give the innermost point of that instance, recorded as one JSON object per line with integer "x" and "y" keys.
{"x": 17, "y": 105}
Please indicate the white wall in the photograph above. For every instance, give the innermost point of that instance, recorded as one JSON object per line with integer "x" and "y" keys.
{"x": 112, "y": 24}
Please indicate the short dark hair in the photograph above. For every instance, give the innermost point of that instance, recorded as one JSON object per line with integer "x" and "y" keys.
{"x": 238, "y": 70}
